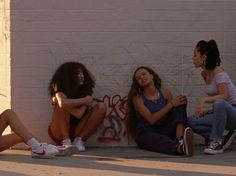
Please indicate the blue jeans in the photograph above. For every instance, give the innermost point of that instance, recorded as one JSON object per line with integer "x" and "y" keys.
{"x": 212, "y": 126}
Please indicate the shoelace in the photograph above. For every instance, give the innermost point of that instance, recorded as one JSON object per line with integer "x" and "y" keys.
{"x": 213, "y": 145}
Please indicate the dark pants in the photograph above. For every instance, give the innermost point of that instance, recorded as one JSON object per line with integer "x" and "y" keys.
{"x": 161, "y": 137}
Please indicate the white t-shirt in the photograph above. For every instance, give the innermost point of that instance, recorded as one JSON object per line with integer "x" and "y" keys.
{"x": 222, "y": 77}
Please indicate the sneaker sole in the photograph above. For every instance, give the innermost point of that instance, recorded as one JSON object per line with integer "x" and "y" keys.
{"x": 43, "y": 156}
{"x": 212, "y": 152}
{"x": 64, "y": 152}
{"x": 73, "y": 150}
{"x": 188, "y": 141}
{"x": 81, "y": 150}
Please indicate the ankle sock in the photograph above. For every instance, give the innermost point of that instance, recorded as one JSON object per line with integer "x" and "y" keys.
{"x": 77, "y": 139}
{"x": 34, "y": 144}
{"x": 66, "y": 141}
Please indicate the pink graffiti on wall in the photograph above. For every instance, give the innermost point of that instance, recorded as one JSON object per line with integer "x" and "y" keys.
{"x": 116, "y": 110}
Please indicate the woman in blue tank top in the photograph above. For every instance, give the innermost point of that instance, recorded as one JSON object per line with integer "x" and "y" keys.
{"x": 155, "y": 119}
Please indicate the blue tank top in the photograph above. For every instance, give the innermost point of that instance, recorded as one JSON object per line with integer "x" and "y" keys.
{"x": 153, "y": 106}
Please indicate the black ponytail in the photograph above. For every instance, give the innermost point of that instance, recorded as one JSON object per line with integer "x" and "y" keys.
{"x": 210, "y": 49}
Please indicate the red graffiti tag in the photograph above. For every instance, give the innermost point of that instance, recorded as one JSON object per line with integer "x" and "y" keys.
{"x": 116, "y": 109}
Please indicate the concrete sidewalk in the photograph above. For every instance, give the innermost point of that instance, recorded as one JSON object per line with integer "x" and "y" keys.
{"x": 118, "y": 162}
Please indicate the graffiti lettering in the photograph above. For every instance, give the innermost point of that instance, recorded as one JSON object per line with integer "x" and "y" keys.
{"x": 116, "y": 109}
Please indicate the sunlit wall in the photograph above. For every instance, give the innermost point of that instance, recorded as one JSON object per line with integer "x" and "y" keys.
{"x": 5, "y": 97}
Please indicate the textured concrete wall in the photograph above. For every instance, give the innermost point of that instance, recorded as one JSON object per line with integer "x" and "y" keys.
{"x": 112, "y": 38}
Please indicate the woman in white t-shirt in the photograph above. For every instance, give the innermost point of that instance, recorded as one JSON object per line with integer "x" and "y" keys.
{"x": 221, "y": 93}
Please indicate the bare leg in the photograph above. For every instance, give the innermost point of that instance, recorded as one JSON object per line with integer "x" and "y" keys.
{"x": 61, "y": 118}
{"x": 60, "y": 123}
{"x": 91, "y": 121}
{"x": 179, "y": 130}
{"x": 8, "y": 141}
{"x": 9, "y": 117}
{"x": 79, "y": 128}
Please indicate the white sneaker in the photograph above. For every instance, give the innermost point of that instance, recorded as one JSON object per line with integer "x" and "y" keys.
{"x": 66, "y": 141}
{"x": 66, "y": 150}
{"x": 45, "y": 151}
{"x": 79, "y": 143}
{"x": 214, "y": 148}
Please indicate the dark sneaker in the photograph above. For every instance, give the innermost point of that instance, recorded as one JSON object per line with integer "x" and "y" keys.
{"x": 228, "y": 139}
{"x": 214, "y": 148}
{"x": 188, "y": 142}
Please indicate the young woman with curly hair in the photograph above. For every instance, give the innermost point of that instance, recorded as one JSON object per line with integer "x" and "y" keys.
{"x": 74, "y": 116}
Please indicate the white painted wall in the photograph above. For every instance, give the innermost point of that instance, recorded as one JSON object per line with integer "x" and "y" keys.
{"x": 112, "y": 38}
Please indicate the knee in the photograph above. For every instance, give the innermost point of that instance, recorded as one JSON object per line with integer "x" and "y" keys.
{"x": 219, "y": 104}
{"x": 180, "y": 109}
{"x": 101, "y": 107}
{"x": 59, "y": 109}
{"x": 192, "y": 121}
{"x": 7, "y": 114}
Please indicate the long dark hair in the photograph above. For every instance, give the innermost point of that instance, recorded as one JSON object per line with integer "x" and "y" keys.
{"x": 135, "y": 90}
{"x": 65, "y": 80}
{"x": 210, "y": 49}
